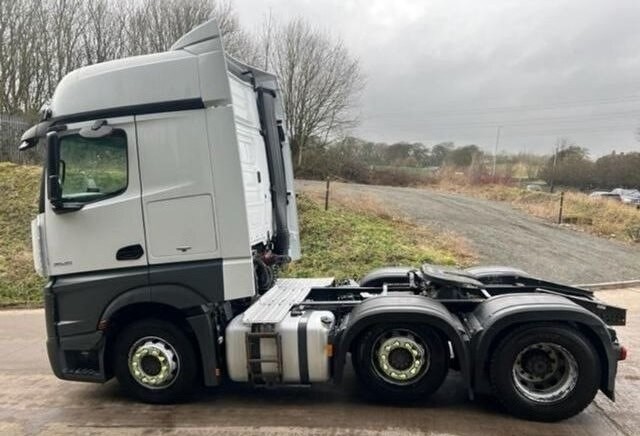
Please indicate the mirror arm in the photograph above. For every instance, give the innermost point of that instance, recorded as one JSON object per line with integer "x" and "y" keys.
{"x": 60, "y": 208}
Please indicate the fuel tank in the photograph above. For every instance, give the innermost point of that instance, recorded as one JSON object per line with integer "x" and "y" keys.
{"x": 304, "y": 339}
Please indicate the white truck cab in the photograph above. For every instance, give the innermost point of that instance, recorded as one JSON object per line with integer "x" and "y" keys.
{"x": 167, "y": 205}
{"x": 149, "y": 149}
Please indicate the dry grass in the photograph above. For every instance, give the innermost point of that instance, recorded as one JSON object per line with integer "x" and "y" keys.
{"x": 597, "y": 216}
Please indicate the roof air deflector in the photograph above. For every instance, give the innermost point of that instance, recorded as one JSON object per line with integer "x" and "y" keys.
{"x": 204, "y": 32}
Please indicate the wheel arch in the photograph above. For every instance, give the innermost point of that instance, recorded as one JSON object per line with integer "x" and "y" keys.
{"x": 499, "y": 320}
{"x": 178, "y": 304}
{"x": 405, "y": 309}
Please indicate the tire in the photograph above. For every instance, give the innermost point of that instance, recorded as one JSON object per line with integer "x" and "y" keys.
{"x": 380, "y": 384}
{"x": 171, "y": 373}
{"x": 545, "y": 373}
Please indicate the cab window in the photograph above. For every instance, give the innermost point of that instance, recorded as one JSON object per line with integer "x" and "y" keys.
{"x": 93, "y": 168}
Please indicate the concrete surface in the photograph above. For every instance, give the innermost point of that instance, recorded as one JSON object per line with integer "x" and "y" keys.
{"x": 33, "y": 401}
{"x": 502, "y": 235}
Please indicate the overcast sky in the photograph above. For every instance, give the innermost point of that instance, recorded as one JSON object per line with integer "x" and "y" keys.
{"x": 455, "y": 70}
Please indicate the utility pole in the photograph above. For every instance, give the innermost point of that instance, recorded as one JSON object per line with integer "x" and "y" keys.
{"x": 495, "y": 153}
{"x": 553, "y": 168}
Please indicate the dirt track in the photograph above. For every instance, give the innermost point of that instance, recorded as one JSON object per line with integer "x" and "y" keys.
{"x": 501, "y": 235}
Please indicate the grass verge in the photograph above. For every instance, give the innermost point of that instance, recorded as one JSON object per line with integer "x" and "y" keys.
{"x": 600, "y": 217}
{"x": 19, "y": 186}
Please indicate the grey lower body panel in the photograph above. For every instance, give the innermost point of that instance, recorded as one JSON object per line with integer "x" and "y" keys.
{"x": 76, "y": 304}
{"x": 78, "y": 357}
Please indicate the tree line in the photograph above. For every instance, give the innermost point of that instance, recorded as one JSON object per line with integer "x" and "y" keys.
{"x": 399, "y": 163}
{"x": 411, "y": 163}
{"x": 403, "y": 153}
{"x": 572, "y": 166}
{"x": 42, "y": 40}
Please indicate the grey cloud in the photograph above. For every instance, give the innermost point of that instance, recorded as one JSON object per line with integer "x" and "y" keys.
{"x": 433, "y": 66}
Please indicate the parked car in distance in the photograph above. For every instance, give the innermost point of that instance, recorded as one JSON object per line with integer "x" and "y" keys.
{"x": 606, "y": 195}
{"x": 534, "y": 188}
{"x": 628, "y": 196}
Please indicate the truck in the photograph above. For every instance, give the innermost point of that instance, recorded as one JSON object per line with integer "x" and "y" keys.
{"x": 167, "y": 208}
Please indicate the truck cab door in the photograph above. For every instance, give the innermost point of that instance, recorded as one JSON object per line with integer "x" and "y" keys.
{"x": 99, "y": 173}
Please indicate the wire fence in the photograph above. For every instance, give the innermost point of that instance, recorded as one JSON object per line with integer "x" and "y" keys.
{"x": 11, "y": 129}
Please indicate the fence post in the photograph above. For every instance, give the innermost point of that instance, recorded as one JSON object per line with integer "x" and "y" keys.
{"x": 326, "y": 196}
{"x": 561, "y": 205}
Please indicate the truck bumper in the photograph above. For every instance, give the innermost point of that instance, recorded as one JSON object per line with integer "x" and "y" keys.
{"x": 77, "y": 357}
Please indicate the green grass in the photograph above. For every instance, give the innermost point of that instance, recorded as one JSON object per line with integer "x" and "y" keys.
{"x": 19, "y": 187}
{"x": 344, "y": 243}
{"x": 341, "y": 242}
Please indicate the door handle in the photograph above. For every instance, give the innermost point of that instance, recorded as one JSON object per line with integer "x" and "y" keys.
{"x": 130, "y": 252}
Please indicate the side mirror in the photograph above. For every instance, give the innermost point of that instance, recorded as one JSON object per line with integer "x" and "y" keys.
{"x": 54, "y": 193}
{"x": 56, "y": 170}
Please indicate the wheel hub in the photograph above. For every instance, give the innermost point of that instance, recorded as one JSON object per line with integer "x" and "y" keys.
{"x": 545, "y": 372}
{"x": 401, "y": 359}
{"x": 153, "y": 363}
{"x": 538, "y": 364}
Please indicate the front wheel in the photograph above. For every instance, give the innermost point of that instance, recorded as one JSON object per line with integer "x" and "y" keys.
{"x": 155, "y": 361}
{"x": 545, "y": 373}
{"x": 400, "y": 362}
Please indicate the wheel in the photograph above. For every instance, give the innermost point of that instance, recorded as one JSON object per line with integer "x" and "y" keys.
{"x": 545, "y": 373}
{"x": 400, "y": 362}
{"x": 155, "y": 362}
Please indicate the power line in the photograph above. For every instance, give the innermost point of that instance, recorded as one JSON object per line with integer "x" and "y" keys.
{"x": 512, "y": 108}
{"x": 533, "y": 133}
{"x": 608, "y": 116}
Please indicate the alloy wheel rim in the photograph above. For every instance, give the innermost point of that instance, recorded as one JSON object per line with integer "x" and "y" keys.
{"x": 400, "y": 357}
{"x": 153, "y": 363}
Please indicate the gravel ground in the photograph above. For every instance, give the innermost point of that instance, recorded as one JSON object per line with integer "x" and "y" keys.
{"x": 501, "y": 235}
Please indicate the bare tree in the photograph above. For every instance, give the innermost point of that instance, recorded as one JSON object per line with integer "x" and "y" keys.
{"x": 105, "y": 25}
{"x": 320, "y": 81}
{"x": 167, "y": 20}
{"x": 19, "y": 54}
{"x": 39, "y": 45}
{"x": 154, "y": 25}
{"x": 237, "y": 42}
{"x": 63, "y": 24}
{"x": 42, "y": 40}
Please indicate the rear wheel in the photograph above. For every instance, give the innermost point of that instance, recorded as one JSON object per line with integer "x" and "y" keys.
{"x": 545, "y": 373}
{"x": 400, "y": 362}
{"x": 155, "y": 361}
